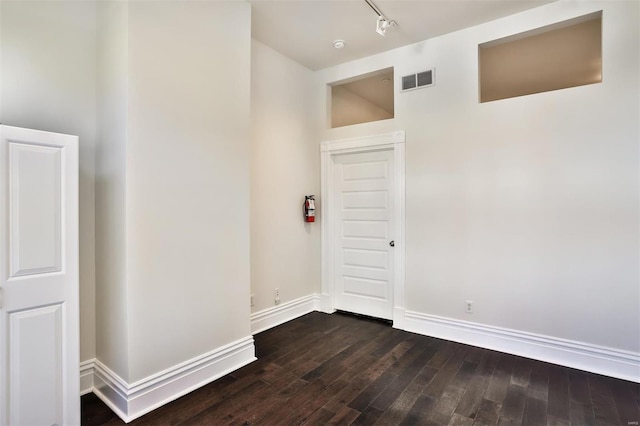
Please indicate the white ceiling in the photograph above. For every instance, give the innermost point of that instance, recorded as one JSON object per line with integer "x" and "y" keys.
{"x": 304, "y": 30}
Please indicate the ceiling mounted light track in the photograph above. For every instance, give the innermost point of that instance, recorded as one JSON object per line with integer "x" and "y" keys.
{"x": 383, "y": 23}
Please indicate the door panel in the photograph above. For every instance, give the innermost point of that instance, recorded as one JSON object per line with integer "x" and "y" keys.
{"x": 35, "y": 345}
{"x": 365, "y": 171}
{"x": 364, "y": 217}
{"x": 365, "y": 229}
{"x": 376, "y": 289}
{"x": 39, "y": 332}
{"x": 361, "y": 199}
{"x": 35, "y": 199}
{"x": 376, "y": 259}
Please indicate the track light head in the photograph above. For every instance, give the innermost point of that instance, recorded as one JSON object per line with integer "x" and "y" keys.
{"x": 382, "y": 24}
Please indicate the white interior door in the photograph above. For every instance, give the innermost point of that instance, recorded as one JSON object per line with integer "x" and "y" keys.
{"x": 363, "y": 209}
{"x": 39, "y": 334}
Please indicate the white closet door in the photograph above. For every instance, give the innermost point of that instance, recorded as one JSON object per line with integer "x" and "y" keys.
{"x": 39, "y": 331}
{"x": 363, "y": 209}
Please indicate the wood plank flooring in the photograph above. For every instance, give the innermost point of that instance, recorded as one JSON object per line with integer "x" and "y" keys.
{"x": 341, "y": 369}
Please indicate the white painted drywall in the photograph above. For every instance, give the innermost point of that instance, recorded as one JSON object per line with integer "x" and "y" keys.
{"x": 177, "y": 285}
{"x": 48, "y": 82}
{"x": 527, "y": 206}
{"x": 285, "y": 251}
{"x": 187, "y": 180}
{"x": 112, "y": 343}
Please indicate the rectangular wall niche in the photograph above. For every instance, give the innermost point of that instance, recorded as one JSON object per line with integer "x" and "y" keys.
{"x": 362, "y": 99}
{"x": 562, "y": 55}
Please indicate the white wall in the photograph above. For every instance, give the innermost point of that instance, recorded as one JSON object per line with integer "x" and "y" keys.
{"x": 48, "y": 82}
{"x": 187, "y": 180}
{"x": 173, "y": 164}
{"x": 285, "y": 251}
{"x": 112, "y": 341}
{"x": 527, "y": 206}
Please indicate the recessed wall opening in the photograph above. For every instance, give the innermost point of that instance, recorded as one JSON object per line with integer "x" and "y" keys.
{"x": 559, "y": 56}
{"x": 362, "y": 99}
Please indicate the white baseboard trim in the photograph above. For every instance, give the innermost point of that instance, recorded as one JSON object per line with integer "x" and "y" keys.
{"x": 583, "y": 356}
{"x": 271, "y": 317}
{"x": 130, "y": 401}
{"x": 398, "y": 318}
{"x": 86, "y": 376}
{"x": 325, "y": 304}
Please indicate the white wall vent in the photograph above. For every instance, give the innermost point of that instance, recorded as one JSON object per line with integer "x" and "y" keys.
{"x": 418, "y": 80}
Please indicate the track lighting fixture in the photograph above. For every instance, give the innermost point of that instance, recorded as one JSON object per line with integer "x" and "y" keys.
{"x": 382, "y": 23}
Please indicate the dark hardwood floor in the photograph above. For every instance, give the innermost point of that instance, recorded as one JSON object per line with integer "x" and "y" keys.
{"x": 340, "y": 369}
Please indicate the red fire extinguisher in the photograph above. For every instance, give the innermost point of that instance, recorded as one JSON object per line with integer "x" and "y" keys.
{"x": 309, "y": 208}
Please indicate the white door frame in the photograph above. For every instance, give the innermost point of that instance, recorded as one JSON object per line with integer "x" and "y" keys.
{"x": 394, "y": 141}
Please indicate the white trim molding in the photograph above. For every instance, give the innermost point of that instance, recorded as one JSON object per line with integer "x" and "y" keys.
{"x": 87, "y": 368}
{"x": 394, "y": 141}
{"x": 363, "y": 143}
{"x": 326, "y": 303}
{"x": 130, "y": 401}
{"x": 583, "y": 356}
{"x": 271, "y": 317}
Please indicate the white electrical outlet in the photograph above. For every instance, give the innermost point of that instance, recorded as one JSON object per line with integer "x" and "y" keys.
{"x": 277, "y": 296}
{"x": 468, "y": 306}
{"x": 252, "y": 299}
